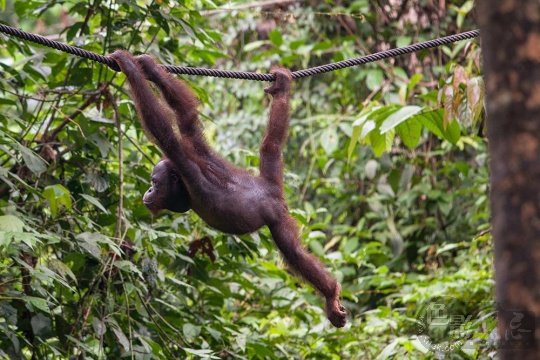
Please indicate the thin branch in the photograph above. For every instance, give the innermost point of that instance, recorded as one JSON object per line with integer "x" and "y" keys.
{"x": 69, "y": 118}
{"x": 120, "y": 211}
{"x": 250, "y": 5}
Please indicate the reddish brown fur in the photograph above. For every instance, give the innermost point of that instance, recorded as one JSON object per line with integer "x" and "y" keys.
{"x": 227, "y": 198}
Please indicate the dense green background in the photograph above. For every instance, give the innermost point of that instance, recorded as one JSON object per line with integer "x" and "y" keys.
{"x": 386, "y": 170}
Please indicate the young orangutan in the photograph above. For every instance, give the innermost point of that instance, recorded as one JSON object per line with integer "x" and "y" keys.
{"x": 193, "y": 176}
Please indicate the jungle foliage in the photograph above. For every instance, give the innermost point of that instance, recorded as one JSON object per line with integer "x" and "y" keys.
{"x": 386, "y": 170}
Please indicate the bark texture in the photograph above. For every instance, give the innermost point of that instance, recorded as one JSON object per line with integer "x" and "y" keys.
{"x": 510, "y": 32}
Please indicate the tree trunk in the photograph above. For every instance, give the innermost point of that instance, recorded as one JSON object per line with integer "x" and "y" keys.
{"x": 510, "y": 32}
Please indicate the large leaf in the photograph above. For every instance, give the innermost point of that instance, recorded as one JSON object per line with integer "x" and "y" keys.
{"x": 11, "y": 223}
{"x": 410, "y": 132}
{"x": 41, "y": 325}
{"x": 433, "y": 120}
{"x": 37, "y": 302}
{"x": 381, "y": 142}
{"x": 62, "y": 269}
{"x": 275, "y": 37}
{"x": 398, "y": 117}
{"x": 89, "y": 242}
{"x": 475, "y": 97}
{"x": 374, "y": 79}
{"x": 32, "y": 160}
{"x": 329, "y": 140}
{"x": 453, "y": 132}
{"x": 57, "y": 196}
{"x": 95, "y": 202}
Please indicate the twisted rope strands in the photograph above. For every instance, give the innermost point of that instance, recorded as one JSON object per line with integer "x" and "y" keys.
{"x": 244, "y": 75}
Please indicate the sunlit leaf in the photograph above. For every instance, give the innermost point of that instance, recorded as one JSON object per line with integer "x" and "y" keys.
{"x": 199, "y": 352}
{"x": 254, "y": 45}
{"x": 89, "y": 243}
{"x": 11, "y": 223}
{"x": 275, "y": 37}
{"x": 388, "y": 351}
{"x": 57, "y": 196}
{"x": 37, "y": 302}
{"x": 191, "y": 331}
{"x": 398, "y": 117}
{"x": 410, "y": 132}
{"x": 381, "y": 143}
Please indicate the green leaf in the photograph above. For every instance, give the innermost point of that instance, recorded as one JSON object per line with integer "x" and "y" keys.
{"x": 98, "y": 182}
{"x": 275, "y": 37}
{"x": 39, "y": 303}
{"x": 99, "y": 326}
{"x": 380, "y": 114}
{"x": 29, "y": 239}
{"x": 11, "y": 223}
{"x": 97, "y": 116}
{"x": 421, "y": 345}
{"x": 329, "y": 140}
{"x": 367, "y": 122}
{"x": 102, "y": 143}
{"x": 62, "y": 269}
{"x": 374, "y": 79}
{"x": 381, "y": 142}
{"x": 316, "y": 248}
{"x": 128, "y": 267}
{"x": 449, "y": 247}
{"x": 41, "y": 325}
{"x": 368, "y": 127}
{"x": 398, "y": 117}
{"x": 413, "y": 81}
{"x": 6, "y": 238}
{"x": 94, "y": 201}
{"x": 122, "y": 338}
{"x": 402, "y": 41}
{"x": 353, "y": 141}
{"x": 204, "y": 353}
{"x": 410, "y": 132}
{"x": 433, "y": 121}
{"x": 388, "y": 351}
{"x": 350, "y": 245}
{"x": 81, "y": 76}
{"x": 33, "y": 161}
{"x": 57, "y": 196}
{"x": 453, "y": 132}
{"x": 94, "y": 350}
{"x": 191, "y": 331}
{"x": 89, "y": 243}
{"x": 254, "y": 45}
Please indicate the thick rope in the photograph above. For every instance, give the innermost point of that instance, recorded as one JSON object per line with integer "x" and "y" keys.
{"x": 186, "y": 70}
